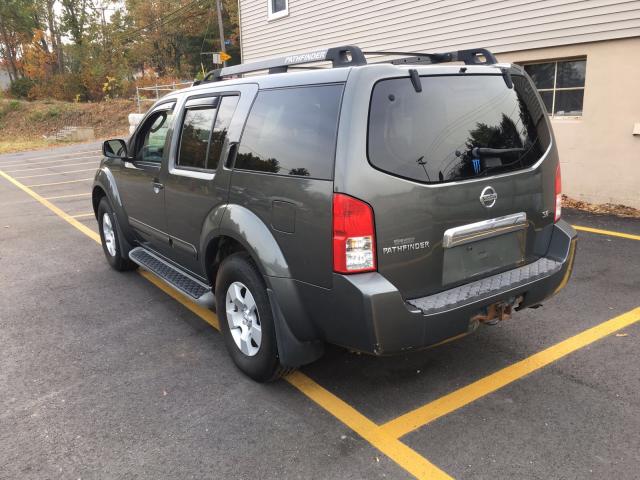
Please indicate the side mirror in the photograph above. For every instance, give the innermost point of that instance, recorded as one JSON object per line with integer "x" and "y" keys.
{"x": 115, "y": 148}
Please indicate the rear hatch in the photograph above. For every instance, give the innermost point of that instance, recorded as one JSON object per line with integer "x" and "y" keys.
{"x": 468, "y": 185}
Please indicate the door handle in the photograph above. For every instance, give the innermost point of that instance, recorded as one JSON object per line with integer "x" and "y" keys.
{"x": 157, "y": 187}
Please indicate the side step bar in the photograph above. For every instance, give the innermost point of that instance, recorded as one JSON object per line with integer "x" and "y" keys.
{"x": 181, "y": 281}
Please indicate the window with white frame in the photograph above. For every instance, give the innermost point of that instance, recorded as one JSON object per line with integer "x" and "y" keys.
{"x": 278, "y": 8}
{"x": 560, "y": 84}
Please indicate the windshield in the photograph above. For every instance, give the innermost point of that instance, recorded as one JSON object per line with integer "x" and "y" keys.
{"x": 458, "y": 127}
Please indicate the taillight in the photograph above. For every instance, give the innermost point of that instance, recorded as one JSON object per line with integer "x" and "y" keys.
{"x": 354, "y": 241}
{"x": 558, "y": 194}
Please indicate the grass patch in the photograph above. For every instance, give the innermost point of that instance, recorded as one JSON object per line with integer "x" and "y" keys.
{"x": 9, "y": 106}
{"x": 43, "y": 115}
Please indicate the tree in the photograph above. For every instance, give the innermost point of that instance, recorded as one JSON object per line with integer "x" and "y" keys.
{"x": 17, "y": 25}
{"x": 164, "y": 36}
{"x": 75, "y": 15}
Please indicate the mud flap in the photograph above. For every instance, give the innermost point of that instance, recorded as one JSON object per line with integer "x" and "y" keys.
{"x": 292, "y": 352}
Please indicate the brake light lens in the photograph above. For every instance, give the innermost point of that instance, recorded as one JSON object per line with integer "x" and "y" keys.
{"x": 354, "y": 242}
{"x": 558, "y": 194}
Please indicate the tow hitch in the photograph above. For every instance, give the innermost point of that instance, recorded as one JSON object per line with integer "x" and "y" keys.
{"x": 496, "y": 312}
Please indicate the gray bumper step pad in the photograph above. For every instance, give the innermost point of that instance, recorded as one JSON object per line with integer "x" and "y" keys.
{"x": 486, "y": 287}
{"x": 170, "y": 274}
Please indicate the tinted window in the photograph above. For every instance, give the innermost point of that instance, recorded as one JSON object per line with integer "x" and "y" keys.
{"x": 431, "y": 136}
{"x": 194, "y": 140}
{"x": 153, "y": 137}
{"x": 225, "y": 111}
{"x": 292, "y": 131}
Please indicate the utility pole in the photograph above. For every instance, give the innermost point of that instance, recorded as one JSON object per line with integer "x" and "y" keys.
{"x": 223, "y": 49}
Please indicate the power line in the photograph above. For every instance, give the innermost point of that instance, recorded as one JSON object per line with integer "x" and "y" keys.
{"x": 162, "y": 20}
{"x": 159, "y": 22}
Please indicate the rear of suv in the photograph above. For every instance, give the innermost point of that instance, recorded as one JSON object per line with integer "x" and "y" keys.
{"x": 384, "y": 207}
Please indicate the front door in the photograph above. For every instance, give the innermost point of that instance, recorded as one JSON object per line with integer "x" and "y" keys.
{"x": 139, "y": 183}
{"x": 197, "y": 180}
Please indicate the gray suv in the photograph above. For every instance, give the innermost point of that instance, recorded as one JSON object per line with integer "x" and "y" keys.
{"x": 387, "y": 203}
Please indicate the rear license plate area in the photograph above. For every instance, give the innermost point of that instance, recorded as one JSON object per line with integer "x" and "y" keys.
{"x": 477, "y": 259}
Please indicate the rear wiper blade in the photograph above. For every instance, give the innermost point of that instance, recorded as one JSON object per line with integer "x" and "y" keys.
{"x": 478, "y": 152}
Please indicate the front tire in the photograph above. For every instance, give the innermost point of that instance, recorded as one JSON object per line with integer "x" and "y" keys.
{"x": 246, "y": 321}
{"x": 107, "y": 224}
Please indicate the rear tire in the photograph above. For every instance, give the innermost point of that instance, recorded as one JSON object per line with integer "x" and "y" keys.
{"x": 108, "y": 226}
{"x": 246, "y": 321}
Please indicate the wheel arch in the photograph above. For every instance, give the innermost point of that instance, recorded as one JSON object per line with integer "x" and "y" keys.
{"x": 242, "y": 230}
{"x": 104, "y": 185}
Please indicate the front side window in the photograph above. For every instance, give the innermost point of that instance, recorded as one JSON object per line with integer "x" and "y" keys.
{"x": 277, "y": 8}
{"x": 458, "y": 127}
{"x": 153, "y": 137}
{"x": 194, "y": 139}
{"x": 561, "y": 85}
{"x": 292, "y": 131}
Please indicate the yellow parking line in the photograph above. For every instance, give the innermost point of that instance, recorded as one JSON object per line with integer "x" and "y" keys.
{"x": 65, "y": 216}
{"x": 607, "y": 232}
{"x": 404, "y": 456}
{"x": 93, "y": 169}
{"x": 459, "y": 398}
{"x": 86, "y": 194}
{"x": 59, "y": 183}
{"x": 393, "y": 448}
{"x": 204, "y": 313}
{"x": 48, "y": 166}
{"x": 27, "y": 159}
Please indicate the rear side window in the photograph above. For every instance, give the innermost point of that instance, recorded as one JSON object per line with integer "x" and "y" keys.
{"x": 292, "y": 131}
{"x": 444, "y": 133}
{"x": 194, "y": 142}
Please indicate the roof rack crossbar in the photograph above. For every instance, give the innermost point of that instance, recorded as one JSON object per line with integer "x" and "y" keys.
{"x": 473, "y": 56}
{"x": 344, "y": 56}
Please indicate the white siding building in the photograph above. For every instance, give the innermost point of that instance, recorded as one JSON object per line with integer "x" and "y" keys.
{"x": 584, "y": 57}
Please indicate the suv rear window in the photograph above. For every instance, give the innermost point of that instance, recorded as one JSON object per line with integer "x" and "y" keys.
{"x": 292, "y": 131}
{"x": 430, "y": 136}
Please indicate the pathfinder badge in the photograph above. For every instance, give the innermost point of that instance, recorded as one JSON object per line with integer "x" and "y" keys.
{"x": 405, "y": 245}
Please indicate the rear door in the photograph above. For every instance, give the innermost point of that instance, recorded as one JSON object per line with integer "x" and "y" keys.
{"x": 458, "y": 193}
{"x": 197, "y": 180}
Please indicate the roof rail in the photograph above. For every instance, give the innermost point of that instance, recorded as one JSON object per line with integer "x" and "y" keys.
{"x": 344, "y": 56}
{"x": 349, "y": 56}
{"x": 472, "y": 56}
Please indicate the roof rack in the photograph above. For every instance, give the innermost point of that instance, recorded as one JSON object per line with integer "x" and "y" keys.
{"x": 349, "y": 56}
{"x": 472, "y": 56}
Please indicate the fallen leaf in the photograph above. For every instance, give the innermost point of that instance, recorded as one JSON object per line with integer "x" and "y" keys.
{"x": 622, "y": 334}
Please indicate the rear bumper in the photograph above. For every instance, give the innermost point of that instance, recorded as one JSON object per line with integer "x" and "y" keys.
{"x": 367, "y": 313}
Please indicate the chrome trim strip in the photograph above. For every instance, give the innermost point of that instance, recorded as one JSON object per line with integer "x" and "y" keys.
{"x": 200, "y": 175}
{"x": 484, "y": 229}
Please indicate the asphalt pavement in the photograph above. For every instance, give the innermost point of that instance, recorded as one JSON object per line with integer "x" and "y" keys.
{"x": 105, "y": 375}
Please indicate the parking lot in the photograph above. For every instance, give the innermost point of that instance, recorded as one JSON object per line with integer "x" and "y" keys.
{"x": 111, "y": 375}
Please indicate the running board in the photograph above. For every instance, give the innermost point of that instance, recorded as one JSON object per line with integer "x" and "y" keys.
{"x": 181, "y": 281}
